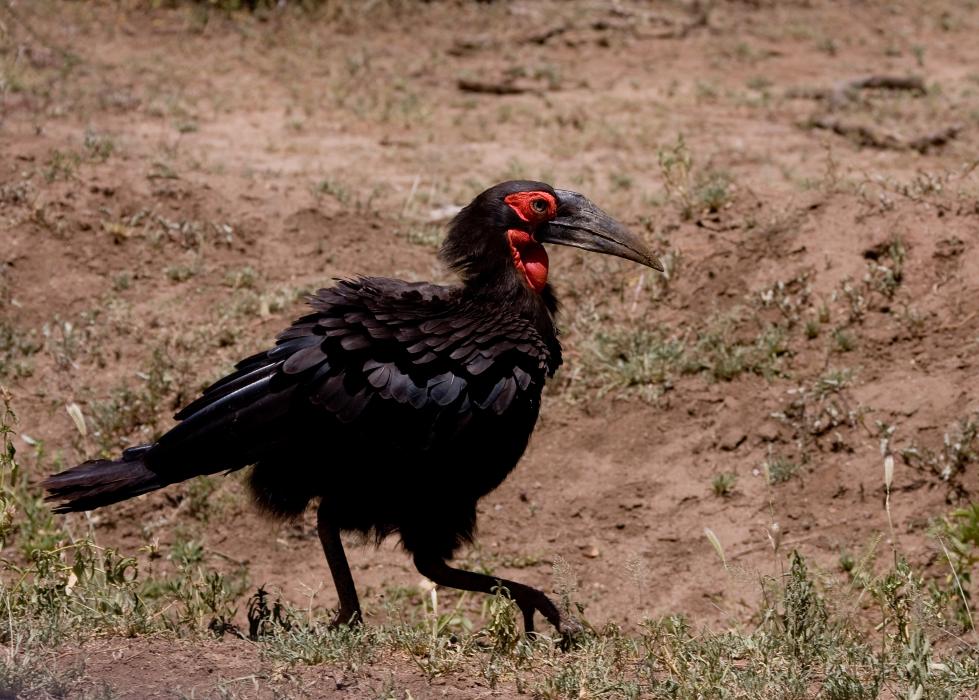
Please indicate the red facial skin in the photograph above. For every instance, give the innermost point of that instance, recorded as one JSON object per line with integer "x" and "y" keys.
{"x": 529, "y": 256}
{"x": 523, "y": 204}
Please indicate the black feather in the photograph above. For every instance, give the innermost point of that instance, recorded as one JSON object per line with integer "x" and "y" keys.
{"x": 304, "y": 359}
{"x": 479, "y": 364}
{"x": 491, "y": 397}
{"x": 523, "y": 379}
{"x": 446, "y": 388}
{"x": 505, "y": 396}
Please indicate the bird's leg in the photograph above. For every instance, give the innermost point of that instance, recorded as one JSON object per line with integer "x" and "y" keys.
{"x": 528, "y": 599}
{"x": 349, "y": 612}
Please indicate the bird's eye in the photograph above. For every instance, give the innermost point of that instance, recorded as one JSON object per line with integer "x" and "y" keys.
{"x": 539, "y": 205}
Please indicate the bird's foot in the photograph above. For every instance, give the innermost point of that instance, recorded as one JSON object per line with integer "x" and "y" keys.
{"x": 535, "y": 601}
{"x": 349, "y": 617}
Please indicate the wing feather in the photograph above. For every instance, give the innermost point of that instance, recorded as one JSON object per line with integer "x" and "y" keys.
{"x": 304, "y": 359}
{"x": 415, "y": 350}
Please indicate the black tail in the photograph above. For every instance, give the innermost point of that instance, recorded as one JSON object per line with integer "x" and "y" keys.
{"x": 236, "y": 422}
{"x": 101, "y": 482}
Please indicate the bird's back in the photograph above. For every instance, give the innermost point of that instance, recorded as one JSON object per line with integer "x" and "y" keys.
{"x": 400, "y": 404}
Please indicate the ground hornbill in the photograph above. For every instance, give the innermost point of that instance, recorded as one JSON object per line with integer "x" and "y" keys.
{"x": 398, "y": 405}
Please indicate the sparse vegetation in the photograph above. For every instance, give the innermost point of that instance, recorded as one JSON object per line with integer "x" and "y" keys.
{"x": 959, "y": 448}
{"x": 427, "y": 236}
{"x": 61, "y": 165}
{"x": 129, "y": 410}
{"x": 76, "y": 590}
{"x": 958, "y": 534}
{"x": 333, "y": 189}
{"x": 16, "y": 348}
{"x": 636, "y": 359}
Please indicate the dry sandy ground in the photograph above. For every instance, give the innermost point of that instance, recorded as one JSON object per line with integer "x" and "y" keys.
{"x": 172, "y": 180}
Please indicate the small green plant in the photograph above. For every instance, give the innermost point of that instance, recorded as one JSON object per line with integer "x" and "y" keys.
{"x": 251, "y": 303}
{"x": 264, "y": 621}
{"x": 243, "y": 278}
{"x": 804, "y": 619}
{"x": 334, "y": 189}
{"x": 886, "y": 273}
{"x": 121, "y": 282}
{"x": 960, "y": 448}
{"x": 713, "y": 191}
{"x": 843, "y": 340}
{"x": 855, "y": 298}
{"x": 779, "y": 468}
{"x": 676, "y": 166}
{"x": 621, "y": 181}
{"x": 61, "y": 165}
{"x": 99, "y": 146}
{"x": 959, "y": 534}
{"x": 828, "y": 46}
{"x": 723, "y": 484}
{"x": 64, "y": 341}
{"x": 180, "y": 273}
{"x": 427, "y": 236}
{"x": 199, "y": 492}
{"x": 502, "y": 627}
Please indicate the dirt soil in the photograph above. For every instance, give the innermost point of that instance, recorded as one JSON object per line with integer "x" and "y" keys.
{"x": 173, "y": 179}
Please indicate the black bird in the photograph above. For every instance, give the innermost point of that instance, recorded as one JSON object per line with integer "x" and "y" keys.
{"x": 398, "y": 405}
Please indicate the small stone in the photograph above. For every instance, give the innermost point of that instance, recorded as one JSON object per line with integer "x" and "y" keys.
{"x": 590, "y": 551}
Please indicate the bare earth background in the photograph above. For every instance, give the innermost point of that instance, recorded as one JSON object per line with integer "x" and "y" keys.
{"x": 173, "y": 179}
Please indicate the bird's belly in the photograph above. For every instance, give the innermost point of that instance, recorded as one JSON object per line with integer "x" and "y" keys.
{"x": 418, "y": 478}
{"x": 429, "y": 493}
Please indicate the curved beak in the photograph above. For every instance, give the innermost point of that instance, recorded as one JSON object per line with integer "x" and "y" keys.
{"x": 581, "y": 224}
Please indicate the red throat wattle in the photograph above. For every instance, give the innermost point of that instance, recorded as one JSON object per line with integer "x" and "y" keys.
{"x": 529, "y": 257}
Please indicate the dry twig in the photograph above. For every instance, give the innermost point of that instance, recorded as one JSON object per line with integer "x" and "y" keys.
{"x": 925, "y": 143}
{"x": 863, "y": 135}
{"x": 503, "y": 87}
{"x": 845, "y": 91}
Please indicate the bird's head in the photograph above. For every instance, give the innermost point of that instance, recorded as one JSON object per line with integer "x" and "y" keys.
{"x": 499, "y": 235}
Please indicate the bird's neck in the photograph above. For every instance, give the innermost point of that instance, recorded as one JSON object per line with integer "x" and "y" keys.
{"x": 510, "y": 292}
{"x": 512, "y": 295}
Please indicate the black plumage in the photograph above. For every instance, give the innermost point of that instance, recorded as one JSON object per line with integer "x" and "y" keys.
{"x": 397, "y": 405}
